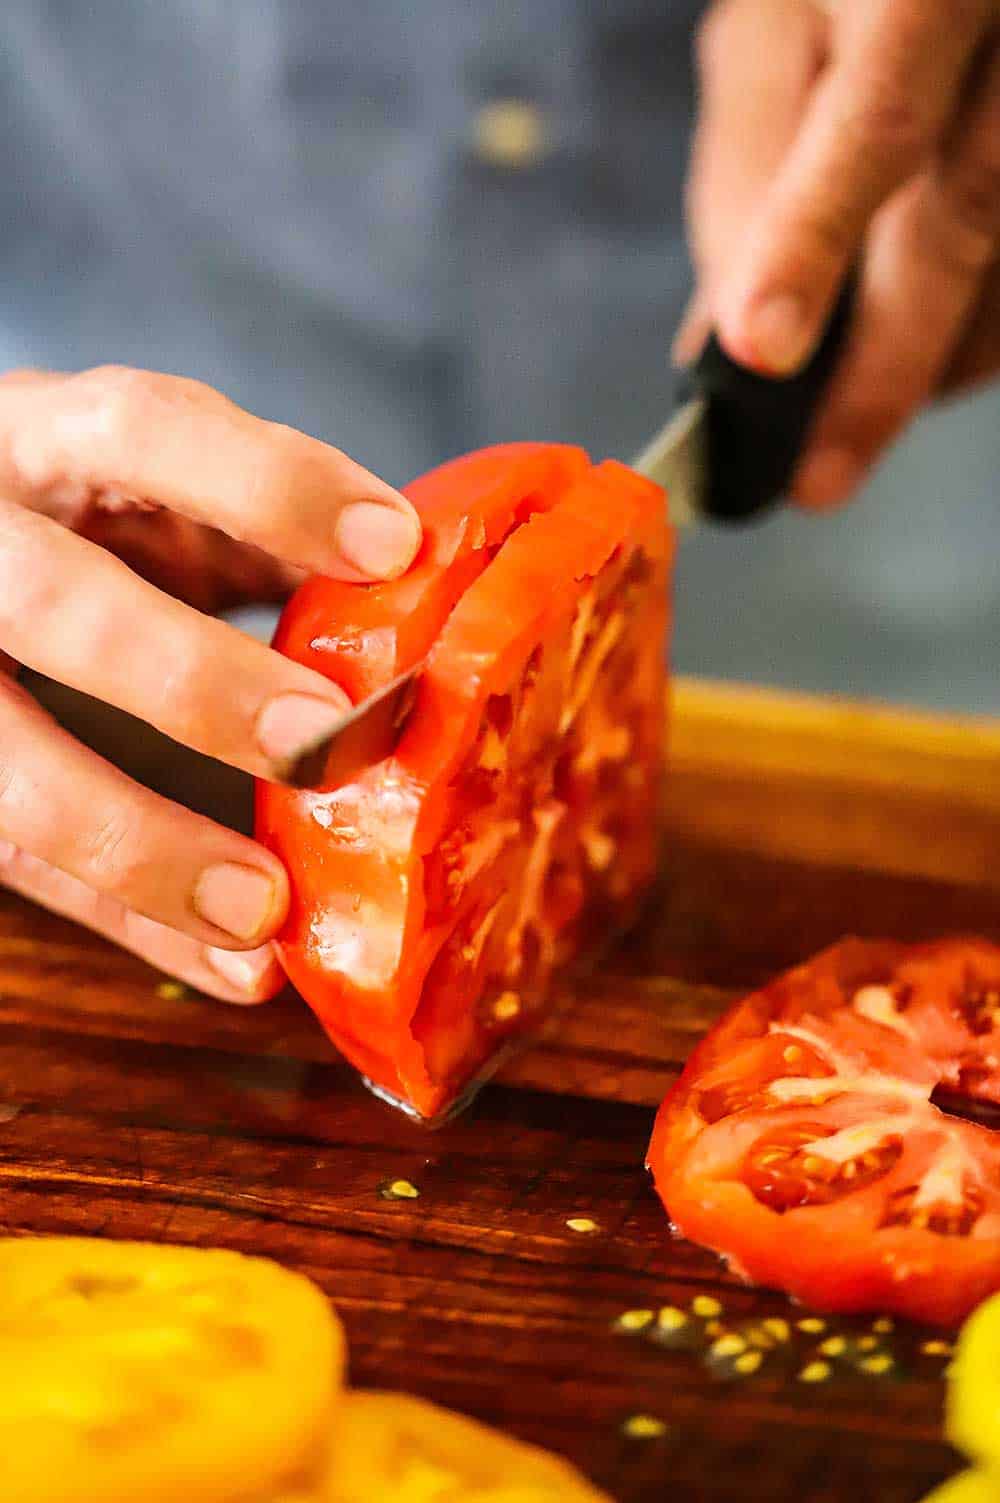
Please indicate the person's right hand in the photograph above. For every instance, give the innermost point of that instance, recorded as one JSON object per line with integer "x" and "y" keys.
{"x": 218, "y": 507}
{"x": 840, "y": 133}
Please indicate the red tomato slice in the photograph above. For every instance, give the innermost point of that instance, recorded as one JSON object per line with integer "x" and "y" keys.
{"x": 801, "y": 1142}
{"x": 434, "y": 897}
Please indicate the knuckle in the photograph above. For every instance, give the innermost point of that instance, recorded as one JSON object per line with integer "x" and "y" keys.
{"x": 8, "y": 785}
{"x": 115, "y": 398}
{"x": 280, "y": 475}
{"x": 972, "y": 191}
{"x": 111, "y": 855}
{"x": 820, "y": 235}
{"x": 188, "y": 690}
{"x": 887, "y": 121}
{"x": 26, "y": 584}
{"x": 881, "y": 416}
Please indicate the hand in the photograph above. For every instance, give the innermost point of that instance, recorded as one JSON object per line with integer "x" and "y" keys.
{"x": 865, "y": 130}
{"x": 149, "y": 466}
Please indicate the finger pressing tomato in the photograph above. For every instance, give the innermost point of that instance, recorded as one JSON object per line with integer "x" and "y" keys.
{"x": 83, "y": 461}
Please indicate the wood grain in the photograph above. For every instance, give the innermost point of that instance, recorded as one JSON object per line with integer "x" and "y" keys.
{"x": 786, "y": 824}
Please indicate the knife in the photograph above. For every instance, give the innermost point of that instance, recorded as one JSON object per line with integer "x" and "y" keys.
{"x": 727, "y": 454}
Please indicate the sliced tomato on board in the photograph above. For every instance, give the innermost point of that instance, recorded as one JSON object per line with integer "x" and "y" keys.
{"x": 802, "y": 1144}
{"x": 435, "y": 896}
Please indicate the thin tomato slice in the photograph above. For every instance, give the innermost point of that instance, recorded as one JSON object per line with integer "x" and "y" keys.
{"x": 435, "y": 897}
{"x": 802, "y": 1144}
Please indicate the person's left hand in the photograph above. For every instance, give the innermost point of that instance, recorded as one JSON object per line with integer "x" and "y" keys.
{"x": 858, "y": 130}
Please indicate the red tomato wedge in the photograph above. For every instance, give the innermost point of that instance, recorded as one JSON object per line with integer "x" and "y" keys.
{"x": 801, "y": 1142}
{"x": 434, "y": 897}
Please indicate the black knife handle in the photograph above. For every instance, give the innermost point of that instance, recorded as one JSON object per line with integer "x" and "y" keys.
{"x": 756, "y": 425}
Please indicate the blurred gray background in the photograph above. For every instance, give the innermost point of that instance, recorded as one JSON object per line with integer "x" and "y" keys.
{"x": 412, "y": 228}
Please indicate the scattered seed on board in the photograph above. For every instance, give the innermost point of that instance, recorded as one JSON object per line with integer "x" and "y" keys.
{"x": 634, "y": 1320}
{"x": 834, "y": 1346}
{"x": 399, "y": 1189}
{"x": 644, "y": 1427}
{"x": 936, "y": 1348}
{"x": 728, "y": 1346}
{"x": 172, "y": 991}
{"x": 776, "y": 1327}
{"x": 867, "y": 1343}
{"x": 812, "y": 1325}
{"x": 883, "y": 1325}
{"x": 705, "y": 1307}
{"x": 671, "y": 1319}
{"x": 748, "y": 1363}
{"x": 582, "y": 1224}
{"x": 878, "y": 1365}
{"x": 815, "y": 1372}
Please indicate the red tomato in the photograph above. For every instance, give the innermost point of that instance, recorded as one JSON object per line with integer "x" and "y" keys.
{"x": 801, "y": 1142}
{"x": 434, "y": 896}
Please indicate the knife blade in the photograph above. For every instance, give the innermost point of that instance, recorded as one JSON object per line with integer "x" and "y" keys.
{"x": 726, "y": 454}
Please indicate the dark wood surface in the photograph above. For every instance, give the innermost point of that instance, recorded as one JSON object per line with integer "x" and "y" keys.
{"x": 127, "y": 1113}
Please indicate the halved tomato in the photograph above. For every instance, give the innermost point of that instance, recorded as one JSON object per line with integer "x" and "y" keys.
{"x": 434, "y": 897}
{"x": 802, "y": 1144}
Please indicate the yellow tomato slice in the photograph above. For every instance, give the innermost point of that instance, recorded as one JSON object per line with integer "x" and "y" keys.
{"x": 136, "y": 1372}
{"x": 388, "y": 1445}
{"x": 973, "y": 1415}
{"x": 967, "y": 1487}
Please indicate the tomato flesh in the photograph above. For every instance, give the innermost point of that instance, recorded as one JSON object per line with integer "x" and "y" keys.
{"x": 801, "y": 1142}
{"x": 435, "y": 897}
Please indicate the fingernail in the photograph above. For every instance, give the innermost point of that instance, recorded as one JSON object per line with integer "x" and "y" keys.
{"x": 777, "y": 334}
{"x": 691, "y": 335}
{"x": 292, "y": 723}
{"x": 239, "y": 899}
{"x": 253, "y": 972}
{"x": 378, "y": 540}
{"x": 827, "y": 476}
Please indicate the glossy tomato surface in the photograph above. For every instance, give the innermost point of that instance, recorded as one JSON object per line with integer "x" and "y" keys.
{"x": 434, "y": 897}
{"x": 802, "y": 1144}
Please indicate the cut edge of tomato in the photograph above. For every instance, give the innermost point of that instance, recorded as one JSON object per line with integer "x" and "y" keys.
{"x": 450, "y": 696}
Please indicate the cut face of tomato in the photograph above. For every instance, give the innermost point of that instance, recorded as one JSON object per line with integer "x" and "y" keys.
{"x": 435, "y": 896}
{"x": 802, "y": 1144}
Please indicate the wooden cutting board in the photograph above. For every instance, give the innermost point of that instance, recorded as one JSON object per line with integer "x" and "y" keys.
{"x": 129, "y": 1112}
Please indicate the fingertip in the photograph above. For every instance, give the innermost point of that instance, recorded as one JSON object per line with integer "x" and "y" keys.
{"x": 291, "y": 725}
{"x": 379, "y": 539}
{"x": 770, "y": 332}
{"x": 827, "y": 478}
{"x": 692, "y": 333}
{"x": 249, "y": 977}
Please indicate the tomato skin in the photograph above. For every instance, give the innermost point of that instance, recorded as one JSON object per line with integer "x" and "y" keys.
{"x": 408, "y": 883}
{"x": 912, "y": 1221}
